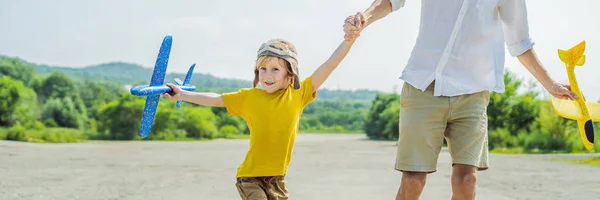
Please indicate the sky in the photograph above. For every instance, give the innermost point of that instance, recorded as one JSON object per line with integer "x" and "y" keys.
{"x": 222, "y": 37}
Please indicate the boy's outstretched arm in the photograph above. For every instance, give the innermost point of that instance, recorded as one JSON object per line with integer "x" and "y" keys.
{"x": 201, "y": 98}
{"x": 322, "y": 73}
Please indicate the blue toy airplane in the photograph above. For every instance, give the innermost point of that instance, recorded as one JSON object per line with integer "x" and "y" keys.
{"x": 157, "y": 87}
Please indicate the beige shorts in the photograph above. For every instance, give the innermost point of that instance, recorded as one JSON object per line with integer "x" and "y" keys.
{"x": 426, "y": 120}
{"x": 262, "y": 188}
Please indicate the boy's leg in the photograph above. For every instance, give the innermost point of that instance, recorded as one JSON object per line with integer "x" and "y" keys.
{"x": 467, "y": 141}
{"x": 422, "y": 125}
{"x": 276, "y": 188}
{"x": 251, "y": 188}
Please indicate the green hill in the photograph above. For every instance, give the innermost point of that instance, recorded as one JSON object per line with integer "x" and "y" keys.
{"x": 134, "y": 74}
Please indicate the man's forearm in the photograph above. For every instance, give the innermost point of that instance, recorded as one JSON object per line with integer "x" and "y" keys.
{"x": 377, "y": 10}
{"x": 531, "y": 62}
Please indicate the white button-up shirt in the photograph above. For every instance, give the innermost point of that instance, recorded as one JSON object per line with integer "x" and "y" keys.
{"x": 461, "y": 44}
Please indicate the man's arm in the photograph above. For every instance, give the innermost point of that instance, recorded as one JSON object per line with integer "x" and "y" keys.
{"x": 532, "y": 63}
{"x": 516, "y": 35}
{"x": 377, "y": 10}
{"x": 530, "y": 60}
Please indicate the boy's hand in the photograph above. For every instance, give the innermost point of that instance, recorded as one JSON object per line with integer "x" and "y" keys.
{"x": 175, "y": 93}
{"x": 353, "y": 25}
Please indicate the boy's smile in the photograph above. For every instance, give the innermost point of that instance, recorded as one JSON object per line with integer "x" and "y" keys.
{"x": 273, "y": 75}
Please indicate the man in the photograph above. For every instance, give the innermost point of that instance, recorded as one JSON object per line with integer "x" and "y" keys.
{"x": 457, "y": 61}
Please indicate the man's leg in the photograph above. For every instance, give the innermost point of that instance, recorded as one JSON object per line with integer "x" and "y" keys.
{"x": 467, "y": 142}
{"x": 464, "y": 178}
{"x": 411, "y": 186}
{"x": 422, "y": 125}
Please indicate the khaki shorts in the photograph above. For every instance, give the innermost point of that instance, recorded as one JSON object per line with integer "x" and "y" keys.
{"x": 262, "y": 188}
{"x": 426, "y": 120}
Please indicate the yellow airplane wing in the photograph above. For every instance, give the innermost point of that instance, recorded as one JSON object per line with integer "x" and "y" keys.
{"x": 569, "y": 109}
{"x": 594, "y": 111}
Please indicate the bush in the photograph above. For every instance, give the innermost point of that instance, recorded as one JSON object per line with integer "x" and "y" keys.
{"x": 229, "y": 131}
{"x": 199, "y": 123}
{"x": 47, "y": 135}
{"x": 382, "y": 117}
{"x": 16, "y": 133}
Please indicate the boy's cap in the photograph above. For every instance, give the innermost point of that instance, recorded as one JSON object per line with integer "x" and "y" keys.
{"x": 268, "y": 49}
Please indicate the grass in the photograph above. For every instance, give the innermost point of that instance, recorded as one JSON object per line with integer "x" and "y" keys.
{"x": 504, "y": 150}
{"x": 593, "y": 160}
{"x": 47, "y": 135}
{"x": 521, "y": 150}
{"x": 331, "y": 132}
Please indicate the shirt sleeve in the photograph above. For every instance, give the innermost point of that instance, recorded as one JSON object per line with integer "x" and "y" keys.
{"x": 306, "y": 90}
{"x": 234, "y": 101}
{"x": 397, "y": 4}
{"x": 513, "y": 14}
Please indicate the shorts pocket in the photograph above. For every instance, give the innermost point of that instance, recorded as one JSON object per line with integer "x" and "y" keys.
{"x": 405, "y": 94}
{"x": 243, "y": 195}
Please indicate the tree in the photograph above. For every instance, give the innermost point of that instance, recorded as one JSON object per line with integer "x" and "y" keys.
{"x": 376, "y": 123}
{"x": 18, "y": 103}
{"x": 199, "y": 123}
{"x": 167, "y": 121}
{"x": 511, "y": 114}
{"x": 94, "y": 94}
{"x": 120, "y": 119}
{"x": 56, "y": 85}
{"x": 17, "y": 70}
{"x": 62, "y": 113}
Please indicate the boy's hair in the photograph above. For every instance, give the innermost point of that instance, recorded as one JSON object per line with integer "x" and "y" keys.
{"x": 283, "y": 51}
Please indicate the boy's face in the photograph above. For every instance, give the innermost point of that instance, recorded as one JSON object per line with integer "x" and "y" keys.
{"x": 273, "y": 75}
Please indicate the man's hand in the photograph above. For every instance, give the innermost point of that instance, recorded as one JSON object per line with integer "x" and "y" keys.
{"x": 561, "y": 91}
{"x": 353, "y": 25}
{"x": 533, "y": 65}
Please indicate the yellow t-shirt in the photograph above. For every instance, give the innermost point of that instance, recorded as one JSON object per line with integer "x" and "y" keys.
{"x": 273, "y": 121}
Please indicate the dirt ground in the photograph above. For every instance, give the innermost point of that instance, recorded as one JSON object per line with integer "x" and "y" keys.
{"x": 323, "y": 167}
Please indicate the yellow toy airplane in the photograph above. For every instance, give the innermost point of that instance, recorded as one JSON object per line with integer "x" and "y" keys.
{"x": 583, "y": 112}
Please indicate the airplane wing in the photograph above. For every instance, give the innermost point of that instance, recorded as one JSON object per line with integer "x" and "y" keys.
{"x": 148, "y": 115}
{"x": 160, "y": 67}
{"x": 178, "y": 81}
{"x": 594, "y": 111}
{"x": 570, "y": 110}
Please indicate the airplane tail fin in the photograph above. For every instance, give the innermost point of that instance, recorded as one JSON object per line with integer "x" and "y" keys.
{"x": 188, "y": 77}
{"x": 186, "y": 81}
{"x": 573, "y": 56}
